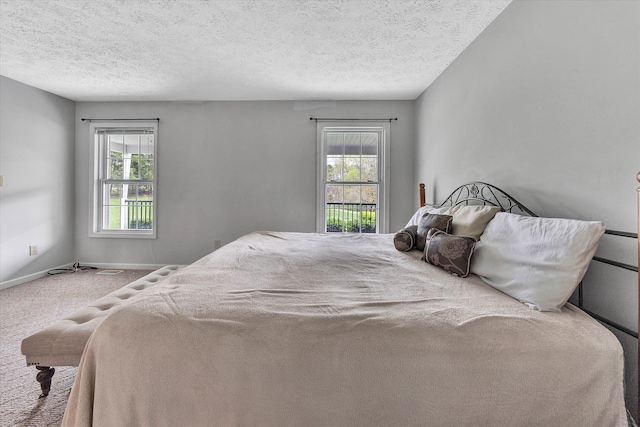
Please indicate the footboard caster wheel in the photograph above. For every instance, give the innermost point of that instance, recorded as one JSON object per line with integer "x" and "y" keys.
{"x": 44, "y": 378}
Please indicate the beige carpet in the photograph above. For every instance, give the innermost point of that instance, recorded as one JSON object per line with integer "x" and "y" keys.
{"x": 24, "y": 310}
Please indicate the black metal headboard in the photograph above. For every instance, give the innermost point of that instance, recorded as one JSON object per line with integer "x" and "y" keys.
{"x": 615, "y": 264}
{"x": 481, "y": 193}
{"x": 486, "y": 194}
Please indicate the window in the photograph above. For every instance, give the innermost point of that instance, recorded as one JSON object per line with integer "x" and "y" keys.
{"x": 124, "y": 179}
{"x": 353, "y": 165}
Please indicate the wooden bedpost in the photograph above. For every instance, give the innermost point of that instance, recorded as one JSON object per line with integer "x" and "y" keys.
{"x": 422, "y": 199}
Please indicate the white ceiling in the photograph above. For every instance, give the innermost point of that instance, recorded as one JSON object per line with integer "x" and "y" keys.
{"x": 196, "y": 50}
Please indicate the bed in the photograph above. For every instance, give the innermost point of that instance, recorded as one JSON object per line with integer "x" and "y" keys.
{"x": 307, "y": 329}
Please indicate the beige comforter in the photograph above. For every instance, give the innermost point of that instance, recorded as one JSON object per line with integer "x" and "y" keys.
{"x": 297, "y": 329}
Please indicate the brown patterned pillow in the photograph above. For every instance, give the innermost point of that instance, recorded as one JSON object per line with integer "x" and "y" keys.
{"x": 405, "y": 239}
{"x": 429, "y": 221}
{"x": 453, "y": 253}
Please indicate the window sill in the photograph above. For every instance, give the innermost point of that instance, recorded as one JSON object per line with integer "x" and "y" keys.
{"x": 122, "y": 235}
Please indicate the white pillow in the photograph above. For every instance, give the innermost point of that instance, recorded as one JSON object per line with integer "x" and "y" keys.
{"x": 538, "y": 261}
{"x": 471, "y": 220}
{"x": 415, "y": 219}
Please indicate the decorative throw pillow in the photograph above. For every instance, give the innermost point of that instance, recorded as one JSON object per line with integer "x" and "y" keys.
{"x": 452, "y": 253}
{"x": 471, "y": 220}
{"x": 415, "y": 219}
{"x": 429, "y": 221}
{"x": 538, "y": 261}
{"x": 405, "y": 239}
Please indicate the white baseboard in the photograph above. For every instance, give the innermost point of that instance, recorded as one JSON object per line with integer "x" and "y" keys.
{"x": 29, "y": 277}
{"x": 114, "y": 266}
{"x": 100, "y": 265}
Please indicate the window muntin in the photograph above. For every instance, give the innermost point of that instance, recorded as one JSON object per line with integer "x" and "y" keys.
{"x": 352, "y": 168}
{"x": 124, "y": 180}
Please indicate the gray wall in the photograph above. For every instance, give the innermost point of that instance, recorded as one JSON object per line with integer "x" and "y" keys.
{"x": 229, "y": 168}
{"x": 37, "y": 137}
{"x": 546, "y": 105}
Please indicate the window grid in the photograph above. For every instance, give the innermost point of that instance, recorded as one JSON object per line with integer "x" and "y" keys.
{"x": 352, "y": 181}
{"x": 124, "y": 176}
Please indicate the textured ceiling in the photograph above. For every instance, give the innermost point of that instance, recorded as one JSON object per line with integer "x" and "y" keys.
{"x": 122, "y": 50}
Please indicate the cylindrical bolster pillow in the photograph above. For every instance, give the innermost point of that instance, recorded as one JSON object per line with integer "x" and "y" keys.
{"x": 405, "y": 239}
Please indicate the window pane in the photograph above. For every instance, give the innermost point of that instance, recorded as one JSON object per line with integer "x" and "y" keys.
{"x": 369, "y": 194}
{"x": 335, "y": 144}
{"x": 146, "y": 166}
{"x": 132, "y": 192}
{"x": 140, "y": 214}
{"x": 333, "y": 208}
{"x": 114, "y": 192}
{"x": 352, "y": 144}
{"x": 140, "y": 207}
{"x": 132, "y": 212}
{"x": 115, "y": 143}
{"x": 369, "y": 169}
{"x": 352, "y": 194}
{"x": 369, "y": 209}
{"x": 146, "y": 144}
{"x": 132, "y": 160}
{"x": 352, "y": 169}
{"x": 370, "y": 144}
{"x": 352, "y": 217}
{"x": 335, "y": 166}
{"x": 334, "y": 193}
{"x": 132, "y": 141}
{"x": 138, "y": 166}
{"x": 112, "y": 208}
{"x": 351, "y": 208}
{"x": 111, "y": 216}
{"x": 115, "y": 165}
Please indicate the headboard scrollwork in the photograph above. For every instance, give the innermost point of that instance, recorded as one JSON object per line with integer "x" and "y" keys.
{"x": 481, "y": 193}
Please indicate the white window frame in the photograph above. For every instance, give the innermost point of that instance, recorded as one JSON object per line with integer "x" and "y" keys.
{"x": 382, "y": 214}
{"x": 98, "y": 160}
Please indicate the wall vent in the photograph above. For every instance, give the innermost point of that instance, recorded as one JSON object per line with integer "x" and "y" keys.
{"x": 110, "y": 272}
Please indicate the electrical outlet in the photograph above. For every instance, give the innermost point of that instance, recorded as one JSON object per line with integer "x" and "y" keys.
{"x": 33, "y": 250}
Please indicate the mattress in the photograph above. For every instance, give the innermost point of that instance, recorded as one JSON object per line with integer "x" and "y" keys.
{"x": 303, "y": 329}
